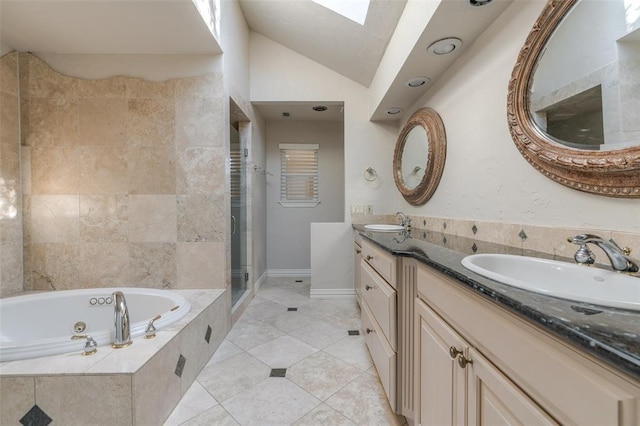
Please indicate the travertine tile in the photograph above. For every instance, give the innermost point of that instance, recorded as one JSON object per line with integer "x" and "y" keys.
{"x": 152, "y": 170}
{"x": 151, "y": 122}
{"x": 104, "y": 264}
{"x": 104, "y": 218}
{"x": 352, "y": 350}
{"x": 320, "y": 334}
{"x": 195, "y": 401}
{"x": 9, "y": 73}
{"x": 103, "y": 170}
{"x": 289, "y": 321}
{"x": 364, "y": 402}
{"x": 201, "y": 171}
{"x": 232, "y": 376}
{"x": 322, "y": 374}
{"x": 201, "y": 218}
{"x": 254, "y": 405}
{"x": 262, "y": 309}
{"x": 152, "y": 265}
{"x": 11, "y": 268}
{"x": 17, "y": 396}
{"x": 53, "y": 266}
{"x": 215, "y": 416}
{"x": 107, "y": 88}
{"x": 324, "y": 415}
{"x": 156, "y": 387}
{"x": 198, "y": 265}
{"x": 282, "y": 352}
{"x": 58, "y": 396}
{"x": 52, "y": 122}
{"x": 196, "y": 121}
{"x": 55, "y": 218}
{"x": 102, "y": 121}
{"x": 202, "y": 86}
{"x": 9, "y": 117}
{"x": 55, "y": 171}
{"x": 251, "y": 333}
{"x": 142, "y": 89}
{"x": 225, "y": 350}
{"x": 152, "y": 218}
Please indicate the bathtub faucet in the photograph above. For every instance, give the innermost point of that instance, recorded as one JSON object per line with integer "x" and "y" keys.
{"x": 122, "y": 331}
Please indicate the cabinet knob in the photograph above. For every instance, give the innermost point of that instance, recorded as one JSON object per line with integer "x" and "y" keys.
{"x": 369, "y": 257}
{"x": 369, "y": 331}
{"x": 358, "y": 251}
{"x": 462, "y": 361}
{"x": 367, "y": 287}
{"x": 454, "y": 352}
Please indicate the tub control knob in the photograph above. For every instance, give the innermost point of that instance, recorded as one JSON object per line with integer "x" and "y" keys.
{"x": 90, "y": 346}
{"x": 150, "y": 332}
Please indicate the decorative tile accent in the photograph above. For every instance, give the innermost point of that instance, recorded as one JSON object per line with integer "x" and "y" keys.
{"x": 424, "y": 223}
{"x": 278, "y": 372}
{"x": 354, "y": 332}
{"x": 444, "y": 240}
{"x": 474, "y": 229}
{"x": 444, "y": 225}
{"x": 474, "y": 247}
{"x": 180, "y": 366}
{"x": 424, "y": 235}
{"x": 298, "y": 281}
{"x": 207, "y": 335}
{"x": 292, "y": 309}
{"x": 36, "y": 417}
{"x": 522, "y": 235}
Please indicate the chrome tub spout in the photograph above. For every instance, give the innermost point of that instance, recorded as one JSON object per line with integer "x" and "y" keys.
{"x": 122, "y": 331}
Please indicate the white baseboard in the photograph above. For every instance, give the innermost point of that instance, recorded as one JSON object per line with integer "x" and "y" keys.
{"x": 332, "y": 293}
{"x": 289, "y": 272}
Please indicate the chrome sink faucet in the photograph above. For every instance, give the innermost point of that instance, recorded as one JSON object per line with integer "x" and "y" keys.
{"x": 122, "y": 332}
{"x": 404, "y": 220}
{"x": 619, "y": 257}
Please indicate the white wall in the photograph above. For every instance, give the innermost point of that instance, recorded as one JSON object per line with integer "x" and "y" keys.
{"x": 485, "y": 177}
{"x": 288, "y": 229}
{"x": 235, "y": 44}
{"x": 279, "y": 74}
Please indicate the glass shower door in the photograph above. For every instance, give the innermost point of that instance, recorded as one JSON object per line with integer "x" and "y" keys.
{"x": 239, "y": 270}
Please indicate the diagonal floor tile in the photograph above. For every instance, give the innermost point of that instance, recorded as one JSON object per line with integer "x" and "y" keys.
{"x": 250, "y": 333}
{"x": 322, "y": 374}
{"x": 282, "y": 352}
{"x": 320, "y": 334}
{"x": 216, "y": 416}
{"x": 364, "y": 402}
{"x": 194, "y": 402}
{"x": 351, "y": 349}
{"x": 233, "y": 375}
{"x": 224, "y": 351}
{"x": 275, "y": 401}
{"x": 289, "y": 321}
{"x": 263, "y": 310}
{"x": 324, "y": 415}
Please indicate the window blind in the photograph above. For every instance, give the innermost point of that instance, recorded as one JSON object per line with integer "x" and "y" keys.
{"x": 236, "y": 174}
{"x": 299, "y": 173}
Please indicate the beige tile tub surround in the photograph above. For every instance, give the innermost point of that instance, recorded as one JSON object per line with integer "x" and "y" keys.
{"x": 11, "y": 271}
{"x": 550, "y": 240}
{"x": 121, "y": 173}
{"x": 138, "y": 385}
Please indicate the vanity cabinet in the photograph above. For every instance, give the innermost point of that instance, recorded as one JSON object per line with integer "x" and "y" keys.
{"x": 477, "y": 363}
{"x": 357, "y": 255}
{"x": 378, "y": 313}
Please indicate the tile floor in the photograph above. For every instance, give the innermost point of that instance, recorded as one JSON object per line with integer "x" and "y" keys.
{"x": 289, "y": 360}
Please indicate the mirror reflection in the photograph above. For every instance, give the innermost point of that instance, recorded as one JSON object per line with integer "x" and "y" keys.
{"x": 585, "y": 92}
{"x": 414, "y": 156}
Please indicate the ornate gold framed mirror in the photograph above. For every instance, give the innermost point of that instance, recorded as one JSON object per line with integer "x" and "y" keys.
{"x": 571, "y": 95}
{"x": 418, "y": 159}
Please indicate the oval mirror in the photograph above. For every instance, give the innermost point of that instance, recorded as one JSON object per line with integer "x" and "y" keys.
{"x": 573, "y": 105}
{"x": 418, "y": 159}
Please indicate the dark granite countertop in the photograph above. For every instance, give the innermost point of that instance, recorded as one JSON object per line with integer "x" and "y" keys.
{"x": 611, "y": 335}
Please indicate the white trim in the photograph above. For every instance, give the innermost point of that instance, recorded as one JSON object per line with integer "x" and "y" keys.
{"x": 332, "y": 293}
{"x": 289, "y": 272}
{"x": 309, "y": 146}
{"x": 260, "y": 281}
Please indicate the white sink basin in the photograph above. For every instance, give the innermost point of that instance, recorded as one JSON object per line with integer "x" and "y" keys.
{"x": 380, "y": 227}
{"x": 559, "y": 279}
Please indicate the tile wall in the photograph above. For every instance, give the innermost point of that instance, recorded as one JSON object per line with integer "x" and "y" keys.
{"x": 550, "y": 240}
{"x": 11, "y": 275}
{"x": 124, "y": 181}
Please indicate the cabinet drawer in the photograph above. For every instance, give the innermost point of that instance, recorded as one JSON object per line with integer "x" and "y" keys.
{"x": 381, "y": 299}
{"x": 384, "y": 358}
{"x": 383, "y": 262}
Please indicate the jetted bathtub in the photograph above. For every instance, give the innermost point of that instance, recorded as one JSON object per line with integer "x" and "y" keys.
{"x": 42, "y": 324}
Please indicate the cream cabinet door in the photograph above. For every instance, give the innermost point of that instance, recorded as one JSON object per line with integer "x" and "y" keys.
{"x": 442, "y": 382}
{"x": 494, "y": 400}
{"x": 357, "y": 255}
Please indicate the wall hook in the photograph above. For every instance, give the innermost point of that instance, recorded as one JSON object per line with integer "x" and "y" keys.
{"x": 370, "y": 174}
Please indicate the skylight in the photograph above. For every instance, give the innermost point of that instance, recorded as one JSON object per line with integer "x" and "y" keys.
{"x": 355, "y": 10}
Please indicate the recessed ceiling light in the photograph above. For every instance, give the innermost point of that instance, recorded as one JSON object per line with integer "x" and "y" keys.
{"x": 394, "y": 110}
{"x": 417, "y": 81}
{"x": 444, "y": 46}
{"x": 478, "y": 3}
{"x": 319, "y": 108}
